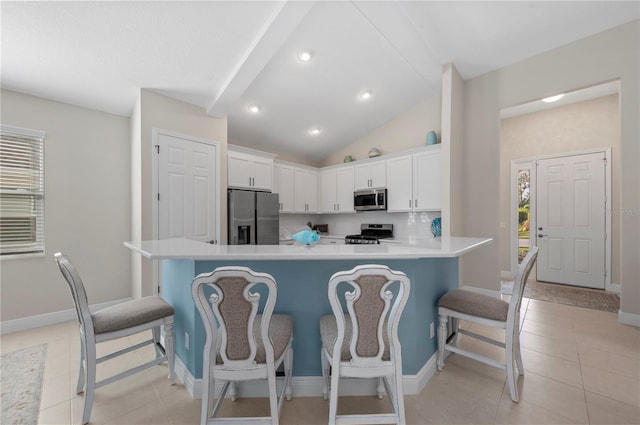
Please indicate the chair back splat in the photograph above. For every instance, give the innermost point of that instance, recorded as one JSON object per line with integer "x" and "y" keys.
{"x": 118, "y": 321}
{"x": 485, "y": 310}
{"x": 363, "y": 342}
{"x": 241, "y": 344}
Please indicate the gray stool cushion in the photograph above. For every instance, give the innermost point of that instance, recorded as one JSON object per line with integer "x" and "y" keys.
{"x": 329, "y": 333}
{"x": 280, "y": 332}
{"x": 474, "y": 304}
{"x": 131, "y": 313}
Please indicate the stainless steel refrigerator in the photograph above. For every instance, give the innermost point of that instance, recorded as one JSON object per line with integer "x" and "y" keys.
{"x": 254, "y": 218}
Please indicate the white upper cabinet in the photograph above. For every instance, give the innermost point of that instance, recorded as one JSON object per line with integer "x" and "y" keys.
{"x": 427, "y": 181}
{"x": 336, "y": 190}
{"x": 371, "y": 175}
{"x": 305, "y": 198}
{"x": 283, "y": 185}
{"x": 249, "y": 171}
{"x": 414, "y": 182}
{"x": 400, "y": 184}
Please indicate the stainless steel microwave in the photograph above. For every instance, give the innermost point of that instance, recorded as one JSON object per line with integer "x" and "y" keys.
{"x": 370, "y": 200}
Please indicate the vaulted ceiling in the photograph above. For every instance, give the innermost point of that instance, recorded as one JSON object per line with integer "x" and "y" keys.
{"x": 225, "y": 56}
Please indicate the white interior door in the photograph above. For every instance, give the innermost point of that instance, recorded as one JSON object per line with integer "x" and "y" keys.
{"x": 186, "y": 189}
{"x": 571, "y": 220}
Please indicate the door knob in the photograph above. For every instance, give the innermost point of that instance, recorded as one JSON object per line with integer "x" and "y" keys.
{"x": 540, "y": 235}
{"x": 539, "y": 228}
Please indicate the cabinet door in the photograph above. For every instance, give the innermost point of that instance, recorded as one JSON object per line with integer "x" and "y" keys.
{"x": 427, "y": 181}
{"x": 362, "y": 178}
{"x": 378, "y": 174}
{"x": 238, "y": 171}
{"x": 261, "y": 171}
{"x": 312, "y": 191}
{"x": 286, "y": 187}
{"x": 328, "y": 191}
{"x": 399, "y": 184}
{"x": 300, "y": 190}
{"x": 344, "y": 189}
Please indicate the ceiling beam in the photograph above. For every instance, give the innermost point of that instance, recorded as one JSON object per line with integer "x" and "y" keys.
{"x": 276, "y": 30}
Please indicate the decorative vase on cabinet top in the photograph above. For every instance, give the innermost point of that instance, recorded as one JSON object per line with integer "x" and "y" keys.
{"x": 373, "y": 152}
{"x": 432, "y": 138}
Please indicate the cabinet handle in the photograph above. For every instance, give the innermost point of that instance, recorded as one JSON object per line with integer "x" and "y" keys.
{"x": 415, "y": 204}
{"x": 410, "y": 203}
{"x": 249, "y": 181}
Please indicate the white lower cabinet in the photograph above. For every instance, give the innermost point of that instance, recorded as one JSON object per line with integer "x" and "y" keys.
{"x": 336, "y": 190}
{"x": 414, "y": 182}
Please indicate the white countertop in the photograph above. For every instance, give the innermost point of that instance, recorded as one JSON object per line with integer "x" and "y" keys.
{"x": 188, "y": 249}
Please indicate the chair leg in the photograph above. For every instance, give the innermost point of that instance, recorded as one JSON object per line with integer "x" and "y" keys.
{"x": 380, "y": 387}
{"x": 288, "y": 373}
{"x": 442, "y": 340}
{"x": 170, "y": 350}
{"x": 233, "y": 390}
{"x": 325, "y": 373}
{"x": 399, "y": 394}
{"x": 155, "y": 332}
{"x": 273, "y": 399}
{"x": 90, "y": 387}
{"x": 511, "y": 373}
{"x": 83, "y": 357}
{"x": 518, "y": 355}
{"x": 333, "y": 392}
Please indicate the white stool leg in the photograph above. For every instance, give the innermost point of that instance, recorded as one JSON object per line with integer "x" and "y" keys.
{"x": 442, "y": 340}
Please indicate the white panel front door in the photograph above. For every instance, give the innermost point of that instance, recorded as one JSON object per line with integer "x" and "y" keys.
{"x": 186, "y": 189}
{"x": 571, "y": 220}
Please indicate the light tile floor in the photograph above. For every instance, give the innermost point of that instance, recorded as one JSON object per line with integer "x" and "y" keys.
{"x": 581, "y": 366}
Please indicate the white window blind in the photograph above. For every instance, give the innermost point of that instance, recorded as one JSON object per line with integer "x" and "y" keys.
{"x": 21, "y": 191}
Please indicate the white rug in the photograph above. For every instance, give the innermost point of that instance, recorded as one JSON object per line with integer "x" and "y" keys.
{"x": 21, "y": 382}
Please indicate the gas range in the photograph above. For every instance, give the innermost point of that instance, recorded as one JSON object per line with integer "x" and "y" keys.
{"x": 370, "y": 234}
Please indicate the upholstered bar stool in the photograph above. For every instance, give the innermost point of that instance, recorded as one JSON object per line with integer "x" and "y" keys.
{"x": 241, "y": 344}
{"x": 115, "y": 322}
{"x": 363, "y": 343}
{"x": 485, "y": 310}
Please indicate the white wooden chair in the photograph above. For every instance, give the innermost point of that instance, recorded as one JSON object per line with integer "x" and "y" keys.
{"x": 364, "y": 343}
{"x": 241, "y": 344}
{"x": 489, "y": 311}
{"x": 114, "y": 322}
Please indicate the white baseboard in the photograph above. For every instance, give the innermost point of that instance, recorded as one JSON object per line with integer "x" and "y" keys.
{"x": 311, "y": 386}
{"x": 48, "y": 319}
{"x": 629, "y": 319}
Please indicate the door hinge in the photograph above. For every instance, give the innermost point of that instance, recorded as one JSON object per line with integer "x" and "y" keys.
{"x": 157, "y": 148}
{"x": 158, "y": 196}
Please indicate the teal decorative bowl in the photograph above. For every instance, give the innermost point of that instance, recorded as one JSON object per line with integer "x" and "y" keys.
{"x": 436, "y": 228}
{"x": 373, "y": 152}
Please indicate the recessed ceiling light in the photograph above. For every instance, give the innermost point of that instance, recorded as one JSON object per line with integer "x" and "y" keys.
{"x": 304, "y": 56}
{"x": 553, "y": 98}
{"x": 315, "y": 131}
{"x": 365, "y": 95}
{"x": 254, "y": 108}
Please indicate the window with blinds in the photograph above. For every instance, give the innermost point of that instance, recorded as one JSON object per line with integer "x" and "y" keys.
{"x": 21, "y": 191}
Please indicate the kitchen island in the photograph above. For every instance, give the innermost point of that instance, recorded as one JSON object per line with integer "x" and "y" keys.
{"x": 302, "y": 274}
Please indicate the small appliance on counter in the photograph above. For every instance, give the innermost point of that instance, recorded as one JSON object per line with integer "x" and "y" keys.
{"x": 370, "y": 234}
{"x": 254, "y": 218}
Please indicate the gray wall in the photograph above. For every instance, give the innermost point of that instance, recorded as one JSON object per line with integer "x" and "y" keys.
{"x": 87, "y": 204}
{"x": 607, "y": 56}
